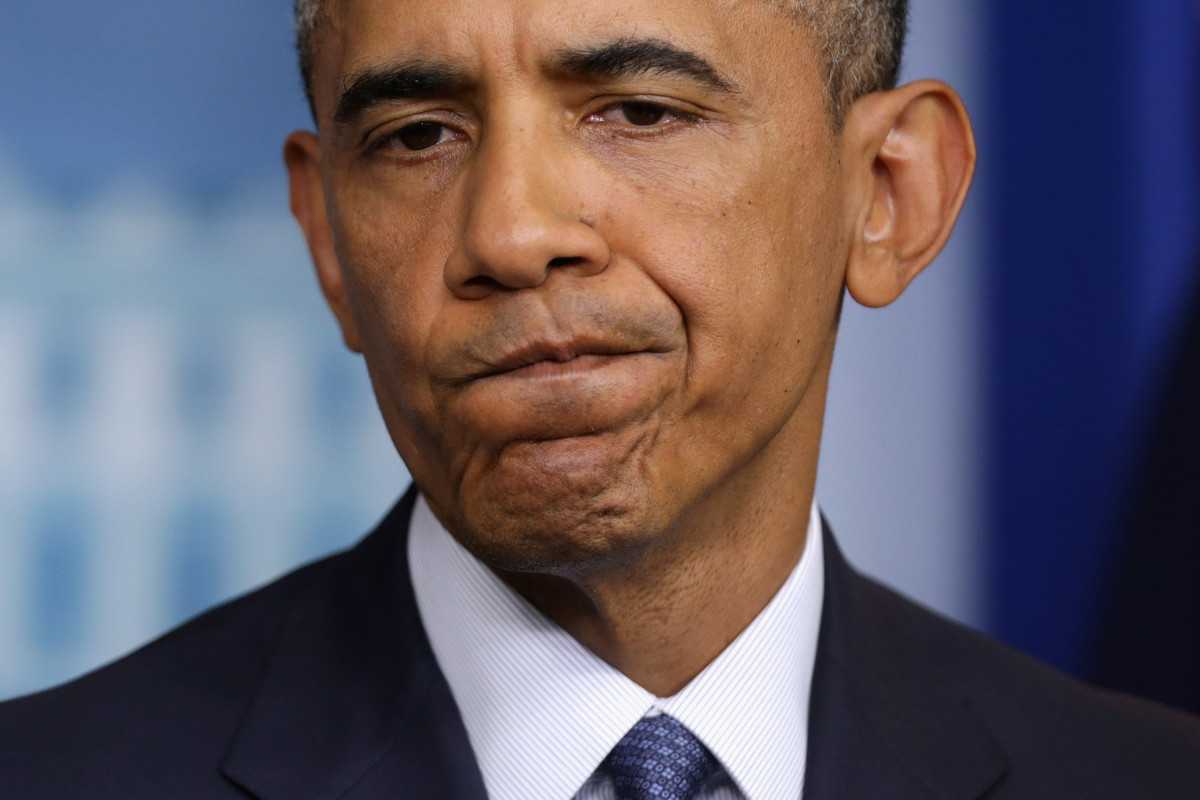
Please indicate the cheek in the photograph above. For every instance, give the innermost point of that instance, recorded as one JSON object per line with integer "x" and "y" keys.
{"x": 392, "y": 259}
{"x": 749, "y": 258}
{"x": 392, "y": 249}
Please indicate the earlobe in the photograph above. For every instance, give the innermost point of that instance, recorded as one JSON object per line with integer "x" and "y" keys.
{"x": 908, "y": 157}
{"x": 301, "y": 153}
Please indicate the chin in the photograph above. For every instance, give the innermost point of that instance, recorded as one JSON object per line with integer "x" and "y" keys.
{"x": 564, "y": 507}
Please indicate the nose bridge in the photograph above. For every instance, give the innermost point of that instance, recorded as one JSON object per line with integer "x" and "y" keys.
{"x": 522, "y": 215}
{"x": 513, "y": 196}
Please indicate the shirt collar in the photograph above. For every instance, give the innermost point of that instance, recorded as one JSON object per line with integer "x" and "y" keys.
{"x": 542, "y": 711}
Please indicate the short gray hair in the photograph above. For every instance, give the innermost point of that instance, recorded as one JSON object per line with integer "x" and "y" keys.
{"x": 307, "y": 15}
{"x": 862, "y": 42}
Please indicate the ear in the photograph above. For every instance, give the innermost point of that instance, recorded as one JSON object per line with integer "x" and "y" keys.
{"x": 908, "y": 156}
{"x": 302, "y": 154}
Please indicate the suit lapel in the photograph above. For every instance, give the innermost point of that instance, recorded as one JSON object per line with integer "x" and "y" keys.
{"x": 353, "y": 704}
{"x": 885, "y": 722}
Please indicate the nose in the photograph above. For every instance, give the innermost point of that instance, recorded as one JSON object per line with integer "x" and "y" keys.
{"x": 524, "y": 219}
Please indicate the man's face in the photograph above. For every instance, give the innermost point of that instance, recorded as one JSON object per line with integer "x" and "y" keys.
{"x": 591, "y": 251}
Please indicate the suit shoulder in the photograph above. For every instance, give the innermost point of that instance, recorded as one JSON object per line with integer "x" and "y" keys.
{"x": 174, "y": 702}
{"x": 1057, "y": 730}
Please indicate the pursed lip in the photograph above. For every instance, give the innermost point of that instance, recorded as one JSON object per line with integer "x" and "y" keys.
{"x": 559, "y": 352}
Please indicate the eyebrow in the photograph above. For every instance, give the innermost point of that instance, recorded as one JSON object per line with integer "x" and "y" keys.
{"x": 627, "y": 58}
{"x": 420, "y": 79}
{"x": 409, "y": 80}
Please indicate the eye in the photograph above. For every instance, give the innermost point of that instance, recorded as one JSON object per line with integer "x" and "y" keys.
{"x": 642, "y": 114}
{"x": 639, "y": 114}
{"x": 418, "y": 136}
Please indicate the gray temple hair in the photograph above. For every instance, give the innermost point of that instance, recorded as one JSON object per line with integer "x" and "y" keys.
{"x": 861, "y": 43}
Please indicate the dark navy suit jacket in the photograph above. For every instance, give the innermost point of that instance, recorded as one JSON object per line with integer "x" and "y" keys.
{"x": 323, "y": 685}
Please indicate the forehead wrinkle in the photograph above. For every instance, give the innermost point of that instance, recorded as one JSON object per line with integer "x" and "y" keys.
{"x": 467, "y": 47}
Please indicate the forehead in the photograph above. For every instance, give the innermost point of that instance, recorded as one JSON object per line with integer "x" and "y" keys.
{"x": 748, "y": 39}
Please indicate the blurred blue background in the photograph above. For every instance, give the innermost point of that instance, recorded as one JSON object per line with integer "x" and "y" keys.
{"x": 179, "y": 422}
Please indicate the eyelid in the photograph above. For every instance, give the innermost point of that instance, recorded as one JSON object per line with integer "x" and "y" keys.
{"x": 671, "y": 107}
{"x": 374, "y": 140}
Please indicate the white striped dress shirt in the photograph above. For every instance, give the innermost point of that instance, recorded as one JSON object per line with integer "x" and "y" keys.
{"x": 542, "y": 711}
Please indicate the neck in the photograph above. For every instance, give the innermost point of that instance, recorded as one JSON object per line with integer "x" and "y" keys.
{"x": 662, "y": 617}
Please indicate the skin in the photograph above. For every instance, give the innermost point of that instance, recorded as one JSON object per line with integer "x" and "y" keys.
{"x": 599, "y": 311}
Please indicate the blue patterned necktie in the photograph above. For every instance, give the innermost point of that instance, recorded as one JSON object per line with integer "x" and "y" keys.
{"x": 660, "y": 759}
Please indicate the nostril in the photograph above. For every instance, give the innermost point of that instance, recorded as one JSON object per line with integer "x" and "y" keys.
{"x": 565, "y": 261}
{"x": 482, "y": 282}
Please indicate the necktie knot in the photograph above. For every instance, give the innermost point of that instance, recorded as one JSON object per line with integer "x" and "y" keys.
{"x": 660, "y": 759}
